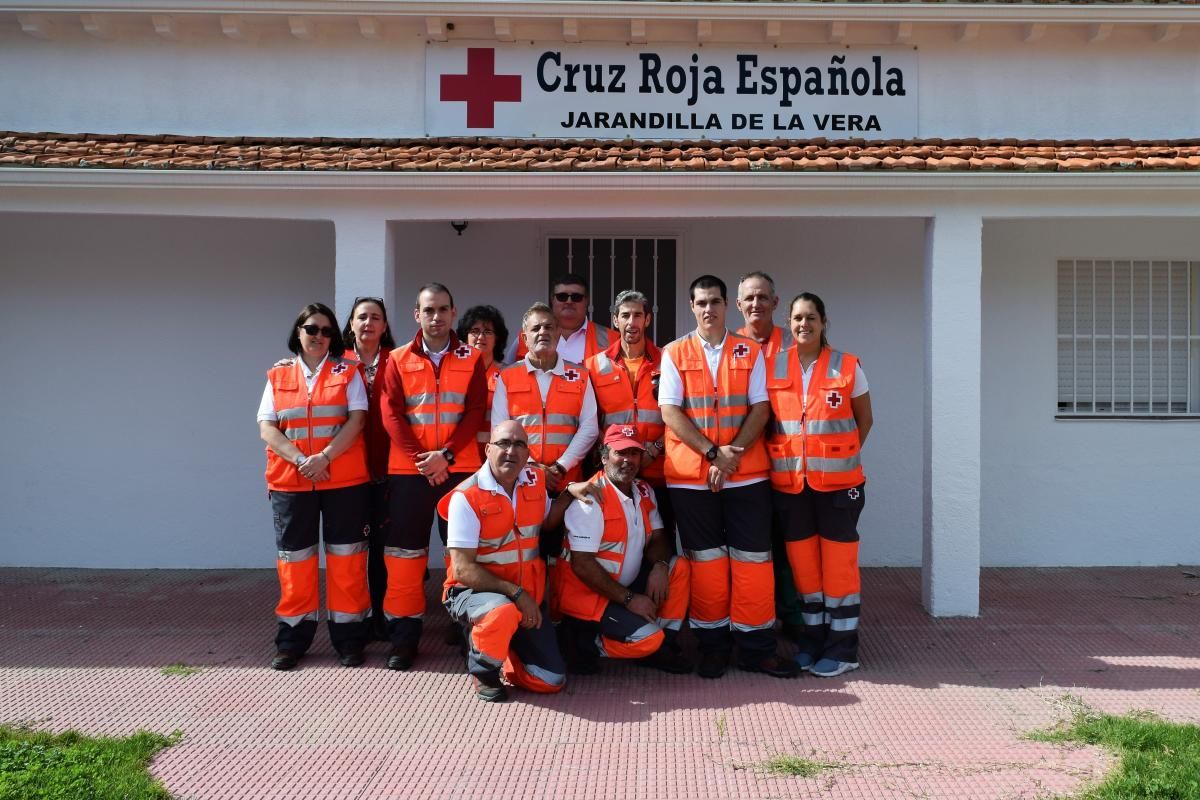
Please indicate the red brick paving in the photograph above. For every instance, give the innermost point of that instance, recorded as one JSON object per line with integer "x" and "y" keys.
{"x": 938, "y": 711}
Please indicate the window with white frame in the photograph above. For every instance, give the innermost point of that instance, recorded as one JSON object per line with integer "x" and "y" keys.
{"x": 615, "y": 263}
{"x": 1128, "y": 338}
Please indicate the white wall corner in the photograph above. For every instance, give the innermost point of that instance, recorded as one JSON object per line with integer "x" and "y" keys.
{"x": 364, "y": 261}
{"x": 953, "y": 381}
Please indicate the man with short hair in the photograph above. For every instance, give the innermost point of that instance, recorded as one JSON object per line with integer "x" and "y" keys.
{"x": 496, "y": 579}
{"x": 551, "y": 397}
{"x": 713, "y": 397}
{"x": 580, "y": 338}
{"x": 757, "y": 301}
{"x": 619, "y": 587}
{"x": 433, "y": 399}
{"x": 625, "y": 378}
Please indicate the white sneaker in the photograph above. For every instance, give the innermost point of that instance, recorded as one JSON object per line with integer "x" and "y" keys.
{"x": 828, "y": 668}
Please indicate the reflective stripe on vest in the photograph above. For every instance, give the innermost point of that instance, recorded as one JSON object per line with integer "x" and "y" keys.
{"x": 552, "y": 424}
{"x": 434, "y": 403}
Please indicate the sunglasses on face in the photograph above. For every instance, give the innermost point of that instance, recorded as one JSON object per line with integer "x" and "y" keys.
{"x": 322, "y": 330}
{"x": 574, "y": 297}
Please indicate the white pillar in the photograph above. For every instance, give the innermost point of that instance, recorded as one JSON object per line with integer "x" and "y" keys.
{"x": 953, "y": 353}
{"x": 365, "y": 262}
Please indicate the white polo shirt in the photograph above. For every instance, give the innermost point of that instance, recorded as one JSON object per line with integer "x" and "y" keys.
{"x": 585, "y": 529}
{"x": 462, "y": 524}
{"x": 670, "y": 388}
{"x": 589, "y": 428}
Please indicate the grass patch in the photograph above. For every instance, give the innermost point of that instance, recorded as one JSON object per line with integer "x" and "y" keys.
{"x": 180, "y": 670}
{"x": 1160, "y": 760}
{"x": 722, "y": 726}
{"x": 796, "y": 766}
{"x": 36, "y": 765}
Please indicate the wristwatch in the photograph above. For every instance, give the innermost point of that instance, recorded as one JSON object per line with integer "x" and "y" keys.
{"x": 711, "y": 455}
{"x": 299, "y": 459}
{"x": 515, "y": 596}
{"x": 628, "y": 597}
{"x": 448, "y": 455}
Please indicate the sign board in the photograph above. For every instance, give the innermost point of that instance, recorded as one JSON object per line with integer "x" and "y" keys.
{"x": 669, "y": 91}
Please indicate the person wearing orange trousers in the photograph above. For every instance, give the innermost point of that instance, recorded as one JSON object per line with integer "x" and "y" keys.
{"x": 618, "y": 586}
{"x": 496, "y": 581}
{"x": 714, "y": 403}
{"x": 822, "y": 415}
{"x": 311, "y": 418}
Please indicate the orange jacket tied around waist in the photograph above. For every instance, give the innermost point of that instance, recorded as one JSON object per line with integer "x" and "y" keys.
{"x": 717, "y": 413}
{"x": 813, "y": 438}
{"x": 310, "y": 421}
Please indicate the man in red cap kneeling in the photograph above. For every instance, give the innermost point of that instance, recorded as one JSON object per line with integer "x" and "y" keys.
{"x": 621, "y": 592}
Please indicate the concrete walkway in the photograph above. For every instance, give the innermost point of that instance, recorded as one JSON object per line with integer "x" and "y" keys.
{"x": 938, "y": 711}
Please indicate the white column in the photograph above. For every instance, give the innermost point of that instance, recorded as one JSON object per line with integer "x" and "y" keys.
{"x": 365, "y": 262}
{"x": 953, "y": 352}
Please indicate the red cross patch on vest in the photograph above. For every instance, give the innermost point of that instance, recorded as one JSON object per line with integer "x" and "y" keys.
{"x": 740, "y": 350}
{"x": 834, "y": 398}
{"x": 338, "y": 369}
{"x": 531, "y": 477}
{"x": 571, "y": 375}
{"x": 462, "y": 351}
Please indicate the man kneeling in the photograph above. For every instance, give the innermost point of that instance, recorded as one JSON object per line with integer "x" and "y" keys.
{"x": 621, "y": 593}
{"x": 496, "y": 579}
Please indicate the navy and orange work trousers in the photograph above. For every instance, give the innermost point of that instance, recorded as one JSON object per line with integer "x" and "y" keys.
{"x": 300, "y": 518}
{"x": 529, "y": 658}
{"x": 412, "y": 508}
{"x": 821, "y": 534}
{"x": 726, "y": 536}
{"x": 619, "y": 633}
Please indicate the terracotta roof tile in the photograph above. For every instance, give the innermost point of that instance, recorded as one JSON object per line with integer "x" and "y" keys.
{"x": 168, "y": 152}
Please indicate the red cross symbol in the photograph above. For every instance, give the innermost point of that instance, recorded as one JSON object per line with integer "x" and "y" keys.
{"x": 463, "y": 351}
{"x": 833, "y": 398}
{"x": 628, "y": 431}
{"x": 852, "y": 492}
{"x": 481, "y": 88}
{"x": 339, "y": 368}
{"x": 643, "y": 489}
{"x": 571, "y": 375}
{"x": 530, "y": 477}
{"x": 740, "y": 350}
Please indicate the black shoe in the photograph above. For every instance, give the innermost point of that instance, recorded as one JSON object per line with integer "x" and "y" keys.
{"x": 401, "y": 656}
{"x": 775, "y": 666}
{"x": 453, "y": 635}
{"x": 379, "y": 629}
{"x": 793, "y": 631}
{"x": 583, "y": 663}
{"x": 283, "y": 660}
{"x": 489, "y": 691}
{"x": 712, "y": 665}
{"x": 668, "y": 660}
{"x": 352, "y": 658}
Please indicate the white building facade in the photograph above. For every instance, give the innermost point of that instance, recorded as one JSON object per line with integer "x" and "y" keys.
{"x": 1024, "y": 294}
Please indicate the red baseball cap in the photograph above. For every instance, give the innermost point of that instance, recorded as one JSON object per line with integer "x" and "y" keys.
{"x": 620, "y": 437}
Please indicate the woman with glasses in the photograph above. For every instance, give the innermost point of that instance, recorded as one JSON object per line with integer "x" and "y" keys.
{"x": 483, "y": 328}
{"x": 368, "y": 338}
{"x": 311, "y": 417}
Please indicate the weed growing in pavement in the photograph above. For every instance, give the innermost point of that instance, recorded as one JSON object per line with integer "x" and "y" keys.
{"x": 796, "y": 766}
{"x": 179, "y": 669}
{"x": 722, "y": 726}
{"x": 1160, "y": 760}
{"x": 36, "y": 765}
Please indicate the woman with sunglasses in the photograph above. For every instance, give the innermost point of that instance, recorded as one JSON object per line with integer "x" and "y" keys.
{"x": 483, "y": 328}
{"x": 311, "y": 417}
{"x": 369, "y": 339}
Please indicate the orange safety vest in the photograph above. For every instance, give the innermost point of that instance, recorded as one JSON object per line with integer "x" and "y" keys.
{"x": 813, "y": 438}
{"x": 596, "y": 340}
{"x": 493, "y": 375}
{"x": 717, "y": 413}
{"x": 779, "y": 340}
{"x": 621, "y": 401}
{"x": 576, "y": 598}
{"x": 310, "y": 420}
{"x": 552, "y": 424}
{"x": 434, "y": 403}
{"x": 508, "y": 540}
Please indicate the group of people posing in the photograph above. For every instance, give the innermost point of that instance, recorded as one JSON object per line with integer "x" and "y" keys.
{"x": 559, "y": 470}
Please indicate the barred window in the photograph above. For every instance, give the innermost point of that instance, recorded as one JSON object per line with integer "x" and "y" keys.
{"x": 1128, "y": 338}
{"x": 613, "y": 264}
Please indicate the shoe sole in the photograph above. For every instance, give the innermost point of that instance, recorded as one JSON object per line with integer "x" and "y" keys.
{"x": 841, "y": 670}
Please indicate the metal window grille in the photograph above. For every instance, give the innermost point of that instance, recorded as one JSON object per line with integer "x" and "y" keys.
{"x": 613, "y": 264}
{"x": 1128, "y": 338}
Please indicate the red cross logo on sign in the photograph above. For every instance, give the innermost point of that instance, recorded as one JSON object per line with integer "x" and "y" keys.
{"x": 463, "y": 351}
{"x": 833, "y": 398}
{"x": 481, "y": 88}
{"x": 571, "y": 375}
{"x": 740, "y": 350}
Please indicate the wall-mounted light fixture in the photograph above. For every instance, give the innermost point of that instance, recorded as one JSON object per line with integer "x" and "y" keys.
{"x": 459, "y": 226}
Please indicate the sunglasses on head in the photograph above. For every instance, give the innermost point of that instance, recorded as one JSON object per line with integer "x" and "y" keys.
{"x": 323, "y": 330}
{"x": 574, "y": 297}
{"x": 377, "y": 301}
